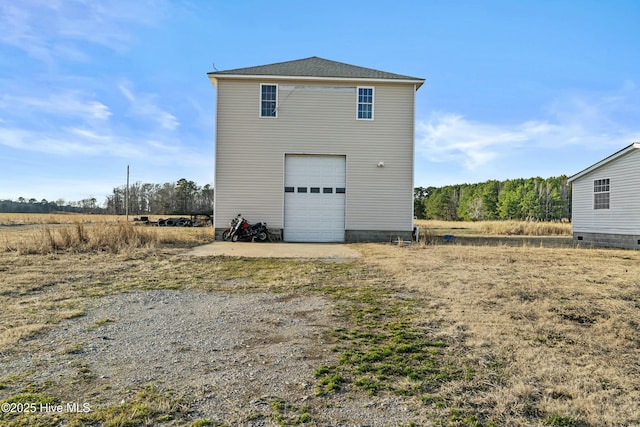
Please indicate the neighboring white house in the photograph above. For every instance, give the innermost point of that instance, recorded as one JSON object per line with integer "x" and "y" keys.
{"x": 606, "y": 201}
{"x": 320, "y": 150}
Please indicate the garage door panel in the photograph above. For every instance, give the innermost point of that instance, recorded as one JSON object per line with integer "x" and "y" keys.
{"x": 315, "y": 214}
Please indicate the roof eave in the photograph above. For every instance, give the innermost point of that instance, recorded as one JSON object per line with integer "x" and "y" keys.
{"x": 214, "y": 77}
{"x": 625, "y": 150}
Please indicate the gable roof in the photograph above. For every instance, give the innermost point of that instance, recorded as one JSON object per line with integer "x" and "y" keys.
{"x": 624, "y": 151}
{"x": 314, "y": 68}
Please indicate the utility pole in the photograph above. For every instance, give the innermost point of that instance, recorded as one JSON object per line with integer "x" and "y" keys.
{"x": 126, "y": 196}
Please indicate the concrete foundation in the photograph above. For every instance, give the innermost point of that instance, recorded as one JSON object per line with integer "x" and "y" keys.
{"x": 624, "y": 241}
{"x": 351, "y": 236}
{"x": 354, "y": 236}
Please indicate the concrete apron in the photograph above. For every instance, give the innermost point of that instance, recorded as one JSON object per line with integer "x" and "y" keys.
{"x": 329, "y": 251}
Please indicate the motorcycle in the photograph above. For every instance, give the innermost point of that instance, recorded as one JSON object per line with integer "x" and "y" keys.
{"x": 245, "y": 231}
{"x": 226, "y": 234}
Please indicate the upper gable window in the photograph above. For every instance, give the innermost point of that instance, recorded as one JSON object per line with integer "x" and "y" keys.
{"x": 268, "y": 100}
{"x": 601, "y": 193}
{"x": 365, "y": 103}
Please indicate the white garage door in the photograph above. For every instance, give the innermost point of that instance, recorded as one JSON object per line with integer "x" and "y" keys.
{"x": 314, "y": 198}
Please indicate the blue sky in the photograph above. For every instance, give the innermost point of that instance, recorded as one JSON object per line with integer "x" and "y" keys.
{"x": 513, "y": 88}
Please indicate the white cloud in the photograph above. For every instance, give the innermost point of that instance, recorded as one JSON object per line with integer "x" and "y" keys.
{"x": 163, "y": 146}
{"x": 571, "y": 119}
{"x": 65, "y": 103}
{"x": 145, "y": 105}
{"x": 50, "y": 30}
{"x": 18, "y": 30}
{"x": 450, "y": 137}
{"x": 68, "y": 142}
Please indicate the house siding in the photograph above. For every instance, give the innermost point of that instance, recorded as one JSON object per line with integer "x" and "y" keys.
{"x": 623, "y": 216}
{"x": 315, "y": 118}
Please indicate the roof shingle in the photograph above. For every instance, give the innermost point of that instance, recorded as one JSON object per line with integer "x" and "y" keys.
{"x": 314, "y": 67}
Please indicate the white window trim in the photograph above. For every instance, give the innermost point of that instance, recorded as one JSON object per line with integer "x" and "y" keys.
{"x": 601, "y": 192}
{"x": 373, "y": 101}
{"x": 260, "y": 101}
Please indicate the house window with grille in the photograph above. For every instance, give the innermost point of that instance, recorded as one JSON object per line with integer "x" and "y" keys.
{"x": 365, "y": 103}
{"x": 268, "y": 100}
{"x": 601, "y": 193}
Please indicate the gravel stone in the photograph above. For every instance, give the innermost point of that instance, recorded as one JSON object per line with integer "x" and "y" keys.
{"x": 233, "y": 352}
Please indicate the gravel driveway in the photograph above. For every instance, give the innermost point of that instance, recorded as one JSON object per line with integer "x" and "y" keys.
{"x": 233, "y": 352}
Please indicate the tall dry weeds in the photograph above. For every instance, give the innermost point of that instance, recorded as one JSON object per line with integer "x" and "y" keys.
{"x": 113, "y": 238}
{"x": 99, "y": 237}
{"x": 526, "y": 228}
{"x": 510, "y": 228}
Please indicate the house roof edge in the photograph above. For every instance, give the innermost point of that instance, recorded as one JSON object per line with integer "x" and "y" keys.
{"x": 314, "y": 68}
{"x": 214, "y": 77}
{"x": 617, "y": 154}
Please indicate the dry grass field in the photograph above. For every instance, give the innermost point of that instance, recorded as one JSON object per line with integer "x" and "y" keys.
{"x": 52, "y": 233}
{"x": 56, "y": 218}
{"x": 496, "y": 228}
{"x": 466, "y": 336}
{"x": 550, "y": 336}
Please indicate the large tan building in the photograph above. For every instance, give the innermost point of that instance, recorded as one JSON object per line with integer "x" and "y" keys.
{"x": 321, "y": 150}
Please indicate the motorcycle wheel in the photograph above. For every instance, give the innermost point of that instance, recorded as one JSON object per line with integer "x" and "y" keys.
{"x": 262, "y": 236}
{"x": 225, "y": 235}
{"x": 234, "y": 238}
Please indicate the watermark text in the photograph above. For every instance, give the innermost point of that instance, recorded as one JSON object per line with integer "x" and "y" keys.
{"x": 25, "y": 408}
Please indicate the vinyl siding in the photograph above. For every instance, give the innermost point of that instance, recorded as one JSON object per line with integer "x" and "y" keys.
{"x": 315, "y": 118}
{"x": 623, "y": 215}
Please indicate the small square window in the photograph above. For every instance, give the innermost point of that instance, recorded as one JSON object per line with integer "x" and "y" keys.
{"x": 289, "y": 189}
{"x": 302, "y": 189}
{"x": 315, "y": 189}
{"x": 600, "y": 185}
{"x": 601, "y": 201}
{"x": 340, "y": 190}
{"x": 327, "y": 190}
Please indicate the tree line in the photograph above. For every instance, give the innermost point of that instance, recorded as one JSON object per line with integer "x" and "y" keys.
{"x": 22, "y": 205}
{"x": 536, "y": 199}
{"x": 170, "y": 198}
{"x": 533, "y": 199}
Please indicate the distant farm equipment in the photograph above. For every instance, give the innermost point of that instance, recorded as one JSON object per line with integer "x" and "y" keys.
{"x": 195, "y": 220}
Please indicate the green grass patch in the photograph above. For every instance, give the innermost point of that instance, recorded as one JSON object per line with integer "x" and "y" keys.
{"x": 382, "y": 348}
{"x": 458, "y": 417}
{"x": 556, "y": 420}
{"x": 148, "y": 406}
{"x": 286, "y": 414}
{"x": 328, "y": 380}
{"x": 26, "y": 409}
